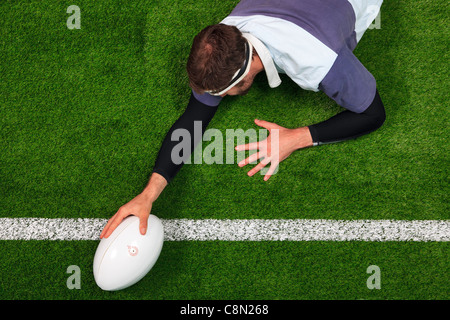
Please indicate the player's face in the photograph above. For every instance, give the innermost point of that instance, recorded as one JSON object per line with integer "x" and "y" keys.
{"x": 242, "y": 88}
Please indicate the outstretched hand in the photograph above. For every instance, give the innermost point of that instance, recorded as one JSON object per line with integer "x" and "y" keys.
{"x": 279, "y": 144}
{"x": 140, "y": 206}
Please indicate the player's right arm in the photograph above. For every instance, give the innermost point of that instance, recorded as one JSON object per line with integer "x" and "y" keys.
{"x": 165, "y": 167}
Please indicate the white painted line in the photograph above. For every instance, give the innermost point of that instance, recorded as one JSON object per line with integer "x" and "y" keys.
{"x": 50, "y": 229}
{"x": 238, "y": 230}
{"x": 308, "y": 230}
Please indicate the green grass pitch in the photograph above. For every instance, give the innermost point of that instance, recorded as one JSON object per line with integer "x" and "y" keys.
{"x": 84, "y": 111}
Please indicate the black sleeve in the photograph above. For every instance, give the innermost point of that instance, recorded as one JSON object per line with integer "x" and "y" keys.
{"x": 349, "y": 125}
{"x": 195, "y": 111}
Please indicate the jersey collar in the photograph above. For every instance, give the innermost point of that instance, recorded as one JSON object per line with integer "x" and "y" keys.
{"x": 269, "y": 66}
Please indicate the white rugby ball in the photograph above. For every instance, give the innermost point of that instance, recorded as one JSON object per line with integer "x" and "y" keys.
{"x": 126, "y": 256}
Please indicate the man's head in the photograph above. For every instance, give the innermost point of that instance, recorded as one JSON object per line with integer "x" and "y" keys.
{"x": 219, "y": 56}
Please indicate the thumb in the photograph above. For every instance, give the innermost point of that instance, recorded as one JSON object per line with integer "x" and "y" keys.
{"x": 266, "y": 124}
{"x": 143, "y": 225}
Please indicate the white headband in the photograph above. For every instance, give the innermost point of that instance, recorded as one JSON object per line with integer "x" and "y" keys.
{"x": 240, "y": 74}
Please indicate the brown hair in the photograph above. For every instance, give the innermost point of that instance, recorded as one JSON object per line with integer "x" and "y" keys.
{"x": 217, "y": 52}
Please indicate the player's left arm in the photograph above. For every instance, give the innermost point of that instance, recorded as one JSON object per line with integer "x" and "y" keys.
{"x": 349, "y": 125}
{"x": 281, "y": 142}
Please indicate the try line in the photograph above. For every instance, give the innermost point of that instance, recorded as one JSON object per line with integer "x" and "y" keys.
{"x": 238, "y": 230}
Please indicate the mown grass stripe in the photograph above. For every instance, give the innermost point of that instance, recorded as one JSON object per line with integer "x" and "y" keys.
{"x": 238, "y": 230}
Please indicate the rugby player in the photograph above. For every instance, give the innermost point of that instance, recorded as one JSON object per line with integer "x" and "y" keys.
{"x": 312, "y": 42}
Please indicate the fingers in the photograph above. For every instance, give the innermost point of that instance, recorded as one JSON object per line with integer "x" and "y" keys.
{"x": 248, "y": 146}
{"x": 261, "y": 153}
{"x": 259, "y": 166}
{"x": 105, "y": 229}
{"x": 108, "y": 229}
{"x": 143, "y": 225}
{"x": 266, "y": 124}
{"x": 273, "y": 167}
{"x": 251, "y": 158}
{"x": 269, "y": 173}
{"x": 113, "y": 223}
{"x": 255, "y": 145}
